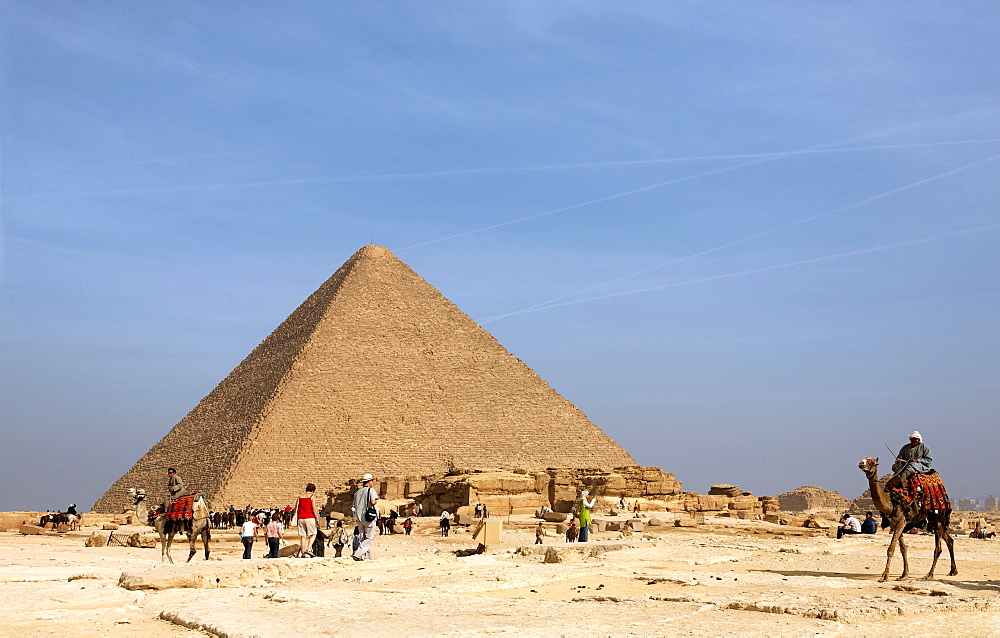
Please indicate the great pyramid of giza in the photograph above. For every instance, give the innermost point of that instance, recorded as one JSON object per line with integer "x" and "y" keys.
{"x": 375, "y": 372}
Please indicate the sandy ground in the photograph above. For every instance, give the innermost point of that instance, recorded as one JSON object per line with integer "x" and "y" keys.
{"x": 727, "y": 577}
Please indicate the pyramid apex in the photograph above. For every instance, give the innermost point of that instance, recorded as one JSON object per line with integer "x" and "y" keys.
{"x": 372, "y": 250}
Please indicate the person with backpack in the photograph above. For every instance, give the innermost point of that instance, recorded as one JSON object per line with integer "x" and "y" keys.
{"x": 365, "y": 509}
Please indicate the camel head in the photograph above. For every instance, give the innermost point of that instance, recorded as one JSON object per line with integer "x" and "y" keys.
{"x": 869, "y": 466}
{"x": 137, "y": 494}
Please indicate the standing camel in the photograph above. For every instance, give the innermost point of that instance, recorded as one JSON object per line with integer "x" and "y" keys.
{"x": 899, "y": 515}
{"x": 199, "y": 527}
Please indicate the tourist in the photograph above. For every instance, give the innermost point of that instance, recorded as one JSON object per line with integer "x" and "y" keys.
{"x": 486, "y": 511}
{"x": 273, "y": 533}
{"x": 848, "y": 525}
{"x": 339, "y": 538}
{"x": 445, "y": 523}
{"x": 539, "y": 534}
{"x": 913, "y": 458}
{"x": 365, "y": 509}
{"x": 247, "y": 534}
{"x": 175, "y": 486}
{"x": 621, "y": 502}
{"x": 869, "y": 526}
{"x": 408, "y": 526}
{"x": 307, "y": 521}
{"x": 585, "y": 506}
{"x": 571, "y": 532}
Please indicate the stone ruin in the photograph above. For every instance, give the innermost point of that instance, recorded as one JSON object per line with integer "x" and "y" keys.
{"x": 522, "y": 492}
{"x": 809, "y": 499}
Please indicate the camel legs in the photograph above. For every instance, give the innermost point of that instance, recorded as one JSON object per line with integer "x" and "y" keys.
{"x": 897, "y": 537}
{"x": 941, "y": 531}
{"x": 197, "y": 531}
{"x": 166, "y": 540}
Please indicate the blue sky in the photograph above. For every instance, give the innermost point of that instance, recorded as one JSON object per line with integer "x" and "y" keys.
{"x": 752, "y": 241}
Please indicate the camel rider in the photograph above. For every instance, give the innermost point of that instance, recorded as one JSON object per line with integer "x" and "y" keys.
{"x": 175, "y": 485}
{"x": 913, "y": 458}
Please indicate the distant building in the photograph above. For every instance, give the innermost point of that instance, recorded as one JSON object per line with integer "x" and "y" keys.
{"x": 971, "y": 504}
{"x": 992, "y": 504}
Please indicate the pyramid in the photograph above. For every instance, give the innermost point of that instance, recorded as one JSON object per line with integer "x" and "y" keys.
{"x": 375, "y": 372}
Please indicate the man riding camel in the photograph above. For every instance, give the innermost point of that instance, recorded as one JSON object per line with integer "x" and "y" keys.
{"x": 913, "y": 458}
{"x": 175, "y": 486}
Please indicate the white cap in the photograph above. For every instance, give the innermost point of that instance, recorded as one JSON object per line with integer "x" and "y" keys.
{"x": 584, "y": 493}
{"x": 916, "y": 435}
{"x": 367, "y": 477}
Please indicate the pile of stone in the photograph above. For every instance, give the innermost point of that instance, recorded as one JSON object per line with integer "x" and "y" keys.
{"x": 809, "y": 499}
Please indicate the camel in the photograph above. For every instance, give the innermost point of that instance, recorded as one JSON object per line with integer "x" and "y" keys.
{"x": 199, "y": 527}
{"x": 898, "y": 517}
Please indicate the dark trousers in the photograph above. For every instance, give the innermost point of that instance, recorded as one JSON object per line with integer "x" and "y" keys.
{"x": 247, "y": 546}
{"x": 538, "y": 540}
{"x": 843, "y": 530}
{"x": 584, "y": 534}
{"x": 273, "y": 545}
{"x": 340, "y": 549}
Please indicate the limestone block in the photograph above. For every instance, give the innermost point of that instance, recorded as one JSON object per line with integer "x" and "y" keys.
{"x": 462, "y": 518}
{"x": 772, "y": 518}
{"x": 289, "y": 550}
{"x": 708, "y": 503}
{"x": 96, "y": 539}
{"x": 725, "y": 489}
{"x": 111, "y": 526}
{"x": 555, "y": 517}
{"x": 414, "y": 488}
{"x": 614, "y": 484}
{"x": 63, "y": 528}
{"x": 562, "y": 555}
{"x": 612, "y": 526}
{"x": 542, "y": 481}
{"x": 561, "y": 528}
{"x": 28, "y": 529}
{"x": 747, "y": 515}
{"x": 635, "y": 524}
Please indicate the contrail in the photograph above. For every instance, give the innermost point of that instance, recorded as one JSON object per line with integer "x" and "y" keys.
{"x": 765, "y": 233}
{"x": 792, "y": 264}
{"x": 657, "y": 185}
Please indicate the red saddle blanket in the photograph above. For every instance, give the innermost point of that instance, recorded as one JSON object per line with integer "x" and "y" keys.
{"x": 182, "y": 509}
{"x": 926, "y": 489}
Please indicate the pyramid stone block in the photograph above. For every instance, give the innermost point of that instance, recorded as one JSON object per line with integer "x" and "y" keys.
{"x": 375, "y": 372}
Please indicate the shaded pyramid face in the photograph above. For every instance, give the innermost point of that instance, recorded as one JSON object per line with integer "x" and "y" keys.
{"x": 375, "y": 372}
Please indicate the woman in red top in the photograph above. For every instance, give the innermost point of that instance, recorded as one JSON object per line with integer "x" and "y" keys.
{"x": 307, "y": 521}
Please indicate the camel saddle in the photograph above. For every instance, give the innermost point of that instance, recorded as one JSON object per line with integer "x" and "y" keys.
{"x": 182, "y": 509}
{"x": 926, "y": 491}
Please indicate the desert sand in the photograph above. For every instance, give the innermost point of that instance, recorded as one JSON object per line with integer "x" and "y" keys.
{"x": 724, "y": 577}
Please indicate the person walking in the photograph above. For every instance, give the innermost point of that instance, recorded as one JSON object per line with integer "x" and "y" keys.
{"x": 274, "y": 531}
{"x": 571, "y": 532}
{"x": 585, "y": 506}
{"x": 365, "y": 500}
{"x": 445, "y": 523}
{"x": 339, "y": 538}
{"x": 408, "y": 526}
{"x": 307, "y": 521}
{"x": 539, "y": 534}
{"x": 247, "y": 534}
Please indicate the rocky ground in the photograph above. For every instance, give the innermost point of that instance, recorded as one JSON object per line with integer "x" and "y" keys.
{"x": 725, "y": 577}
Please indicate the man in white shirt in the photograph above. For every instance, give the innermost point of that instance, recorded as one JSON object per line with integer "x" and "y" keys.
{"x": 848, "y": 525}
